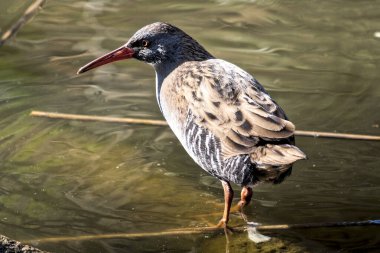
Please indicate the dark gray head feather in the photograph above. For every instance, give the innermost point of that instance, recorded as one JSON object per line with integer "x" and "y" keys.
{"x": 167, "y": 45}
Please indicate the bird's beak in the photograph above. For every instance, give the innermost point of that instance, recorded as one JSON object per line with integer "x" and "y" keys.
{"x": 116, "y": 55}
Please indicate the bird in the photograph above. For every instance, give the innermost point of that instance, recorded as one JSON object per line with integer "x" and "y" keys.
{"x": 223, "y": 117}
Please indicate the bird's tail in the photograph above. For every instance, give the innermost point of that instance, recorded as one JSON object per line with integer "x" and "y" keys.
{"x": 276, "y": 155}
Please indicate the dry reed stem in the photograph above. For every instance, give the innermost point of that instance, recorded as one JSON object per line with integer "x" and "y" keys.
{"x": 206, "y": 230}
{"x": 54, "y": 115}
{"x": 28, "y": 14}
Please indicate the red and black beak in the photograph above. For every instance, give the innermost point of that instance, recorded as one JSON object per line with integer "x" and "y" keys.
{"x": 116, "y": 55}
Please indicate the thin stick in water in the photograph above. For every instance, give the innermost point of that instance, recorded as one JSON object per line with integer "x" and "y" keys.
{"x": 206, "y": 230}
{"x": 337, "y": 135}
{"x": 27, "y": 15}
{"x": 55, "y": 115}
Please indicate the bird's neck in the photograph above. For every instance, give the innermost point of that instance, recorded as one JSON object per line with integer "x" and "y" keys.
{"x": 162, "y": 71}
{"x": 190, "y": 52}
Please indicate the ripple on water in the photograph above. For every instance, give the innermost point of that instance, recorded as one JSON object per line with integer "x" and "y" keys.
{"x": 318, "y": 59}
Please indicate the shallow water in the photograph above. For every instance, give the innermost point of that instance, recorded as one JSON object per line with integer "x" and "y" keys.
{"x": 319, "y": 60}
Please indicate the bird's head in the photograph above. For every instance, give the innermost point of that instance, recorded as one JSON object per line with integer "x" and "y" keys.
{"x": 157, "y": 44}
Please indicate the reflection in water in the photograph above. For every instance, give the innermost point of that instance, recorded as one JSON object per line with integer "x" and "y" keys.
{"x": 57, "y": 178}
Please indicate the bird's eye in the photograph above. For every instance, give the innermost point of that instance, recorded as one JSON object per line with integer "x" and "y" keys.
{"x": 145, "y": 43}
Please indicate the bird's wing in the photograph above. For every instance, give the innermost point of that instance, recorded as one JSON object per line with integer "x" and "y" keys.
{"x": 233, "y": 105}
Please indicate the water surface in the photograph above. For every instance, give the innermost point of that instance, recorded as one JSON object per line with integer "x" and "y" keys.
{"x": 319, "y": 60}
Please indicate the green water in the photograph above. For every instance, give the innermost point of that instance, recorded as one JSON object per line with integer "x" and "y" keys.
{"x": 319, "y": 59}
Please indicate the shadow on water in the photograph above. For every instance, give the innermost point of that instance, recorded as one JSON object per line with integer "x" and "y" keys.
{"x": 319, "y": 60}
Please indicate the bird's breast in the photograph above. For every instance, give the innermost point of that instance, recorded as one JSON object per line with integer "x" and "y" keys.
{"x": 174, "y": 108}
{"x": 199, "y": 143}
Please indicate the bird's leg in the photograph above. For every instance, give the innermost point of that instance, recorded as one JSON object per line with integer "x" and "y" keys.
{"x": 245, "y": 198}
{"x": 228, "y": 195}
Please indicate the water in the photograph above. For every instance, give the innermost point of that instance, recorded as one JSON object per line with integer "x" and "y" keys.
{"x": 319, "y": 60}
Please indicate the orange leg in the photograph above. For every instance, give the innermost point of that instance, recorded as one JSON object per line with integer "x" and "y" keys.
{"x": 228, "y": 195}
{"x": 245, "y": 198}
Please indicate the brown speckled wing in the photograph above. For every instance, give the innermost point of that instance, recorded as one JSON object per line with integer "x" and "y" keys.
{"x": 233, "y": 105}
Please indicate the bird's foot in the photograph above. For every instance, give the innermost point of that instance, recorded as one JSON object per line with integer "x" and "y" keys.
{"x": 223, "y": 224}
{"x": 240, "y": 207}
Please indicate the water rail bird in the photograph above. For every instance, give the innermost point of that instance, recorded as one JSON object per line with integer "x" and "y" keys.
{"x": 222, "y": 115}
